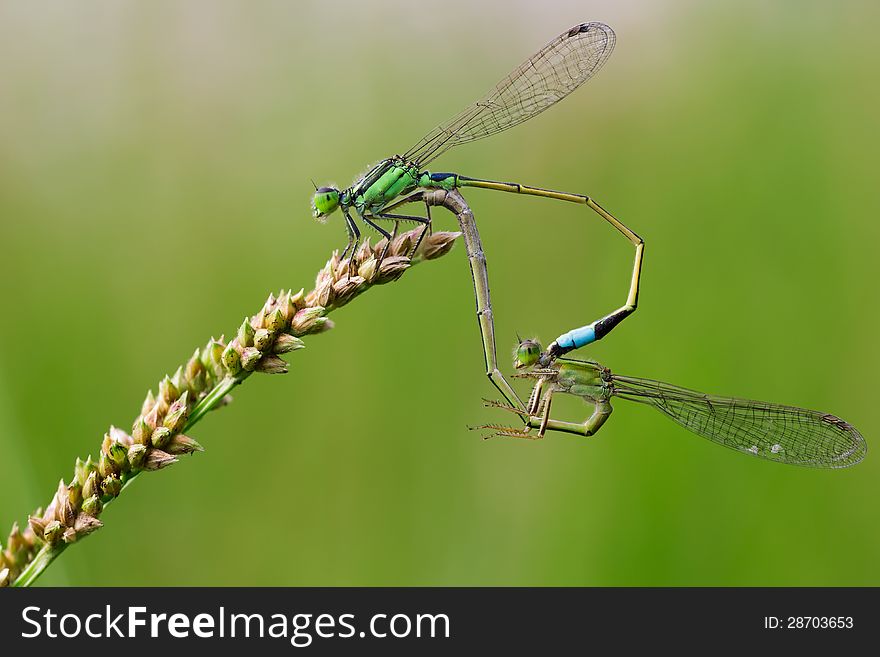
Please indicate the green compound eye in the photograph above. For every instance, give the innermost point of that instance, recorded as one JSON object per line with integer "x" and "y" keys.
{"x": 527, "y": 353}
{"x": 326, "y": 200}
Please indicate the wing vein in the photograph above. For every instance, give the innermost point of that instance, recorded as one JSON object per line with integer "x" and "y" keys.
{"x": 772, "y": 431}
{"x": 543, "y": 80}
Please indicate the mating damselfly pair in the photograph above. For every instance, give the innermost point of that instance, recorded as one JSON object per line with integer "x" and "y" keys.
{"x": 783, "y": 433}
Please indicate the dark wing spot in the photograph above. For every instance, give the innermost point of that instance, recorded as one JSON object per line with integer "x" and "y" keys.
{"x": 836, "y": 421}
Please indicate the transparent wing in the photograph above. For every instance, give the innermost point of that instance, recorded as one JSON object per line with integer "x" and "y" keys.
{"x": 547, "y": 77}
{"x": 779, "y": 433}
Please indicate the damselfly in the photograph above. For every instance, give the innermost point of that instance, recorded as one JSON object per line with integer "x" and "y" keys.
{"x": 544, "y": 79}
{"x": 771, "y": 431}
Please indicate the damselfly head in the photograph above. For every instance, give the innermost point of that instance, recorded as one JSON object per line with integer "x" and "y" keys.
{"x": 527, "y": 353}
{"x": 325, "y": 201}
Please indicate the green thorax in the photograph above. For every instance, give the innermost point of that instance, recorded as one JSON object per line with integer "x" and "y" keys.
{"x": 382, "y": 184}
{"x": 583, "y": 378}
{"x": 389, "y": 179}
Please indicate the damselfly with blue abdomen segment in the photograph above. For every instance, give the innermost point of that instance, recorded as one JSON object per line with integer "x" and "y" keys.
{"x": 544, "y": 79}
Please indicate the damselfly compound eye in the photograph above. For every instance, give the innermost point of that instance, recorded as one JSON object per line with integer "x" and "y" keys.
{"x": 325, "y": 201}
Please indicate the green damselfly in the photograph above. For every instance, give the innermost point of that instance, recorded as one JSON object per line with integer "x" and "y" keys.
{"x": 544, "y": 79}
{"x": 786, "y": 434}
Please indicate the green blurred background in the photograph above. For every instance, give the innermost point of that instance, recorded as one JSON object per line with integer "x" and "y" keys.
{"x": 154, "y": 186}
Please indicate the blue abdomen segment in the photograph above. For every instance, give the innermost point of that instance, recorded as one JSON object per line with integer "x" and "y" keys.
{"x": 577, "y": 338}
{"x": 438, "y": 180}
